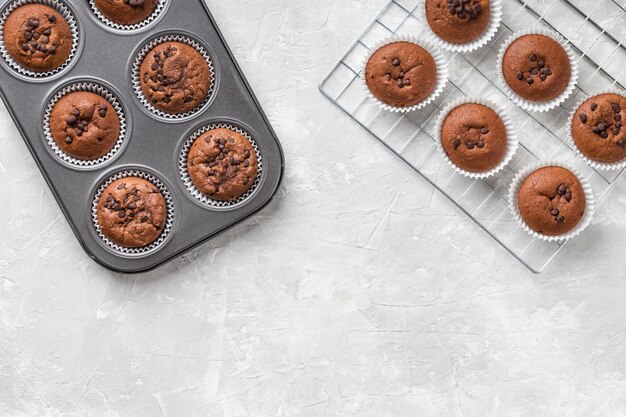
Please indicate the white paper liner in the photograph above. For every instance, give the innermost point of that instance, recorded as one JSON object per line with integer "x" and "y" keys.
{"x": 127, "y": 28}
{"x": 440, "y": 62}
{"x": 584, "y": 221}
{"x": 492, "y": 28}
{"x": 570, "y": 139}
{"x": 59, "y": 7}
{"x": 193, "y": 190}
{"x": 105, "y": 94}
{"x": 136, "y": 75}
{"x": 535, "y": 105}
{"x": 511, "y": 136}
{"x": 169, "y": 221}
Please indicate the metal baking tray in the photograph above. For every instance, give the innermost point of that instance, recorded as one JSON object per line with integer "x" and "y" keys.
{"x": 595, "y": 29}
{"x": 106, "y": 56}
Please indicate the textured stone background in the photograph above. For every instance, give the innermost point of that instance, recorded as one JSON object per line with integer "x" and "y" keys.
{"x": 359, "y": 292}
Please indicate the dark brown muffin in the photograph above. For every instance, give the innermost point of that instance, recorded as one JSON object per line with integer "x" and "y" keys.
{"x": 222, "y": 164}
{"x": 552, "y": 201}
{"x": 132, "y": 212}
{"x": 474, "y": 137}
{"x": 37, "y": 37}
{"x": 458, "y": 21}
{"x": 175, "y": 77}
{"x": 84, "y": 125}
{"x": 597, "y": 128}
{"x": 401, "y": 74}
{"x": 536, "y": 67}
{"x": 126, "y": 12}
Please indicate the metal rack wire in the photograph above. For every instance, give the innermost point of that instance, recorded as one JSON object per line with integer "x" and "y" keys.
{"x": 596, "y": 30}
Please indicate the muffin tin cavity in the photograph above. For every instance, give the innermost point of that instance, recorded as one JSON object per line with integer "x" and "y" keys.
{"x": 132, "y": 27}
{"x": 159, "y": 81}
{"x": 78, "y": 124}
{"x": 132, "y": 213}
{"x": 37, "y": 39}
{"x": 189, "y": 185}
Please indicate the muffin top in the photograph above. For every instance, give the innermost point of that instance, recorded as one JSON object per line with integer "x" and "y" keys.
{"x": 132, "y": 212}
{"x": 222, "y": 163}
{"x": 175, "y": 77}
{"x": 84, "y": 125}
{"x": 401, "y": 74}
{"x": 37, "y": 37}
{"x": 126, "y": 12}
{"x": 458, "y": 21}
{"x": 597, "y": 128}
{"x": 552, "y": 201}
{"x": 474, "y": 137}
{"x": 537, "y": 68}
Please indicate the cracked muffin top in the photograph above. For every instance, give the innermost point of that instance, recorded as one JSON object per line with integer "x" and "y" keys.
{"x": 222, "y": 163}
{"x": 175, "y": 77}
{"x": 37, "y": 37}
{"x": 552, "y": 201}
{"x": 84, "y": 125}
{"x": 401, "y": 74}
{"x": 458, "y": 21}
{"x": 132, "y": 212}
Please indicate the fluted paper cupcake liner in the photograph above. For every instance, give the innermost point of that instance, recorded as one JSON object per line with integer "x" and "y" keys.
{"x": 487, "y": 35}
{"x": 511, "y": 136}
{"x": 169, "y": 222}
{"x": 190, "y": 186}
{"x": 136, "y": 76}
{"x": 59, "y": 7}
{"x": 535, "y": 105}
{"x": 105, "y": 94}
{"x": 132, "y": 27}
{"x": 570, "y": 139}
{"x": 590, "y": 206}
{"x": 440, "y": 62}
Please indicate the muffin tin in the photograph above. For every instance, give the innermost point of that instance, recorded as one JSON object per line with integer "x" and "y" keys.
{"x": 594, "y": 31}
{"x": 105, "y": 57}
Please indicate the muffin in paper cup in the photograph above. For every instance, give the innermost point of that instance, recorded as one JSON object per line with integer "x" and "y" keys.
{"x": 64, "y": 11}
{"x": 536, "y": 105}
{"x": 191, "y": 187}
{"x": 570, "y": 138}
{"x": 487, "y": 35}
{"x": 136, "y": 76}
{"x": 511, "y": 136}
{"x": 440, "y": 63}
{"x": 161, "y": 4}
{"x": 106, "y": 94}
{"x": 169, "y": 220}
{"x": 590, "y": 202}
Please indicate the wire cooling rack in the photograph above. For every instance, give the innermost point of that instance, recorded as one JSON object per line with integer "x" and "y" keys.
{"x": 595, "y": 29}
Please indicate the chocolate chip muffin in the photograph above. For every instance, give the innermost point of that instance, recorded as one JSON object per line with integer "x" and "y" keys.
{"x": 401, "y": 74}
{"x": 126, "y": 12}
{"x": 552, "y": 201}
{"x": 474, "y": 137}
{"x": 537, "y": 68}
{"x": 222, "y": 164}
{"x": 458, "y": 21}
{"x": 132, "y": 212}
{"x": 84, "y": 125}
{"x": 597, "y": 128}
{"x": 37, "y": 37}
{"x": 175, "y": 77}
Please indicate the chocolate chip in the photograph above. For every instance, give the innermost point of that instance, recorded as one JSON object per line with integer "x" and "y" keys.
{"x": 622, "y": 143}
{"x": 246, "y": 163}
{"x": 520, "y": 76}
{"x": 604, "y": 135}
{"x": 616, "y": 108}
{"x": 470, "y": 145}
{"x": 618, "y": 117}
{"x": 400, "y": 83}
{"x": 480, "y": 144}
{"x": 615, "y": 131}
{"x": 407, "y": 82}
{"x": 560, "y": 219}
{"x": 594, "y": 106}
{"x": 568, "y": 196}
{"x": 401, "y": 75}
{"x": 530, "y": 81}
{"x": 541, "y": 64}
{"x": 121, "y": 186}
{"x": 583, "y": 117}
{"x": 144, "y": 219}
{"x": 554, "y": 211}
{"x": 68, "y": 140}
{"x": 71, "y": 120}
{"x": 533, "y": 57}
{"x": 484, "y": 130}
{"x": 456, "y": 143}
{"x": 47, "y": 32}
{"x": 132, "y": 206}
{"x": 388, "y": 77}
{"x": 52, "y": 19}
{"x": 601, "y": 126}
{"x": 534, "y": 71}
{"x": 561, "y": 190}
{"x": 396, "y": 62}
